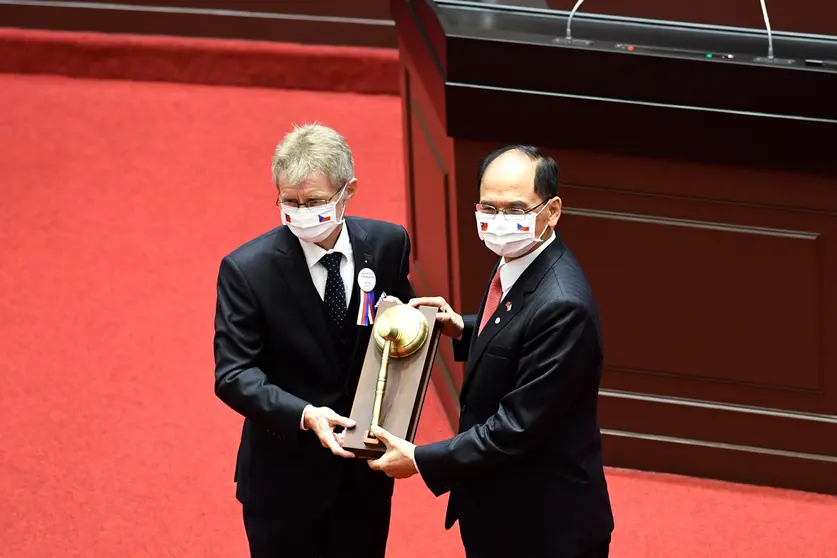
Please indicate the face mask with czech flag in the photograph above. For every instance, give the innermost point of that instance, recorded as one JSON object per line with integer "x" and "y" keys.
{"x": 509, "y": 238}
{"x": 312, "y": 224}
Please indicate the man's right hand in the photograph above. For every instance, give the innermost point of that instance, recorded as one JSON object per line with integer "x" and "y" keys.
{"x": 452, "y": 323}
{"x": 322, "y": 421}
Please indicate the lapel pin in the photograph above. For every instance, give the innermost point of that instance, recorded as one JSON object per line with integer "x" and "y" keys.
{"x": 367, "y": 307}
{"x": 508, "y": 306}
{"x": 366, "y": 279}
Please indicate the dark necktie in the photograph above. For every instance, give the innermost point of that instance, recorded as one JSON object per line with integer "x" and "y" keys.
{"x": 335, "y": 291}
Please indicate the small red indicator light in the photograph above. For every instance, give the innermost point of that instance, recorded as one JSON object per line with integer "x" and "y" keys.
{"x": 630, "y": 48}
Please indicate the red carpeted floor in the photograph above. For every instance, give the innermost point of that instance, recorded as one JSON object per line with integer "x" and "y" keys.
{"x": 199, "y": 60}
{"x": 117, "y": 201}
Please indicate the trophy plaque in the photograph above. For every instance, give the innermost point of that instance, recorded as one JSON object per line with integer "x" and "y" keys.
{"x": 394, "y": 377}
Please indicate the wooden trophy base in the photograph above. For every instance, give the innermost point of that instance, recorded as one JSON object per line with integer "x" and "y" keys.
{"x": 406, "y": 388}
{"x": 369, "y": 439}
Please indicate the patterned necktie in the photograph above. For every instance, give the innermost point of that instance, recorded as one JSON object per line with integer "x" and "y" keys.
{"x": 492, "y": 301}
{"x": 335, "y": 290}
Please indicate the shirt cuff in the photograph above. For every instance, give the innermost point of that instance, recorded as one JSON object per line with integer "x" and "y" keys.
{"x": 415, "y": 464}
{"x": 302, "y": 418}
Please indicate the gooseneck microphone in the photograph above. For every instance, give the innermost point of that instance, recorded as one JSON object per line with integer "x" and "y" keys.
{"x": 720, "y": 56}
{"x": 766, "y": 17}
{"x": 570, "y": 19}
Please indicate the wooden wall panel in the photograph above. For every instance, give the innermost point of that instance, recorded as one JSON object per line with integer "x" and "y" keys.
{"x": 327, "y": 22}
{"x": 431, "y": 238}
{"x": 429, "y": 190}
{"x": 731, "y": 284}
{"x": 702, "y": 421}
{"x": 719, "y": 461}
{"x": 801, "y": 16}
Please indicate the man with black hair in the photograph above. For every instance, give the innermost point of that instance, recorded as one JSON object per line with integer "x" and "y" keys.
{"x": 525, "y": 472}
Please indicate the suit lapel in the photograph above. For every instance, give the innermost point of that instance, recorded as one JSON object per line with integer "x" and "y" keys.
{"x": 291, "y": 264}
{"x": 510, "y": 306}
{"x": 364, "y": 256}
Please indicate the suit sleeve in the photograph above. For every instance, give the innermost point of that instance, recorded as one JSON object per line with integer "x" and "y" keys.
{"x": 404, "y": 290}
{"x": 239, "y": 382}
{"x": 561, "y": 345}
{"x": 462, "y": 346}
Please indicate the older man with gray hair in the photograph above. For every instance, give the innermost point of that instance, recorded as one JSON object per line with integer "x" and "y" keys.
{"x": 292, "y": 323}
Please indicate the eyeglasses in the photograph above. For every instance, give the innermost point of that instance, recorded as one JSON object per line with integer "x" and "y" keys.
{"x": 509, "y": 213}
{"x": 309, "y": 203}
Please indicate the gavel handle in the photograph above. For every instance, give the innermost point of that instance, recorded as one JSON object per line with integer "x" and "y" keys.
{"x": 380, "y": 388}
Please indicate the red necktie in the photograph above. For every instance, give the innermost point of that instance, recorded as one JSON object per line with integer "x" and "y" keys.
{"x": 495, "y": 295}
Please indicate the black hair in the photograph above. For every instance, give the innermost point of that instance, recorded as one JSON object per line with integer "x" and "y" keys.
{"x": 546, "y": 173}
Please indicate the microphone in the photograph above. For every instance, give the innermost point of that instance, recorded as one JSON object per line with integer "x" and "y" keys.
{"x": 572, "y": 14}
{"x": 770, "y": 58}
{"x": 568, "y": 37}
{"x": 766, "y": 17}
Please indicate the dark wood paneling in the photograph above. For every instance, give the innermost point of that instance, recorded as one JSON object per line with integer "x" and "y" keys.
{"x": 720, "y": 423}
{"x": 801, "y": 16}
{"x": 429, "y": 187}
{"x": 327, "y": 22}
{"x": 747, "y": 139}
{"x": 709, "y": 238}
{"x": 425, "y": 64}
{"x": 695, "y": 83}
{"x": 730, "y": 281}
{"x": 742, "y": 464}
{"x": 599, "y": 171}
{"x": 475, "y": 260}
{"x": 429, "y": 204}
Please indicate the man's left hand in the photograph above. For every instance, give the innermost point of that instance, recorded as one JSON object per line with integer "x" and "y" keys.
{"x": 398, "y": 462}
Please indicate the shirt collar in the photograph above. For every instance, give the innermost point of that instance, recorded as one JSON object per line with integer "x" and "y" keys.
{"x": 313, "y": 253}
{"x": 510, "y": 271}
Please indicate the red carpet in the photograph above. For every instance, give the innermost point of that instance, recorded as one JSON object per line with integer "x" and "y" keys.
{"x": 118, "y": 200}
{"x": 205, "y": 61}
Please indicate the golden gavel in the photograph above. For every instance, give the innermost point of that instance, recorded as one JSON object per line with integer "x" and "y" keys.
{"x": 399, "y": 332}
{"x": 390, "y": 335}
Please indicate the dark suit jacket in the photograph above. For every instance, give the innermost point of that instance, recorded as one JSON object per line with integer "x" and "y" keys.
{"x": 274, "y": 355}
{"x": 525, "y": 472}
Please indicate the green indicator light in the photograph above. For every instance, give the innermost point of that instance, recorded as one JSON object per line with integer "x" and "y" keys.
{"x": 709, "y": 56}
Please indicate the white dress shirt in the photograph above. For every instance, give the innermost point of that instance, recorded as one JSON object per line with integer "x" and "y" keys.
{"x": 319, "y": 273}
{"x": 510, "y": 271}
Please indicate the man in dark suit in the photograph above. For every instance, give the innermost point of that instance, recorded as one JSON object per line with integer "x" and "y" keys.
{"x": 525, "y": 471}
{"x": 291, "y": 329}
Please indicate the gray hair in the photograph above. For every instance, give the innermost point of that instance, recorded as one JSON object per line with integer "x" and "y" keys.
{"x": 313, "y": 148}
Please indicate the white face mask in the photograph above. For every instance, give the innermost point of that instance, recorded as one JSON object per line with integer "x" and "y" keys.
{"x": 313, "y": 224}
{"x": 509, "y": 239}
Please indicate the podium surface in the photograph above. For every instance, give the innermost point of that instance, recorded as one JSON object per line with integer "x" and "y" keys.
{"x": 700, "y": 197}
